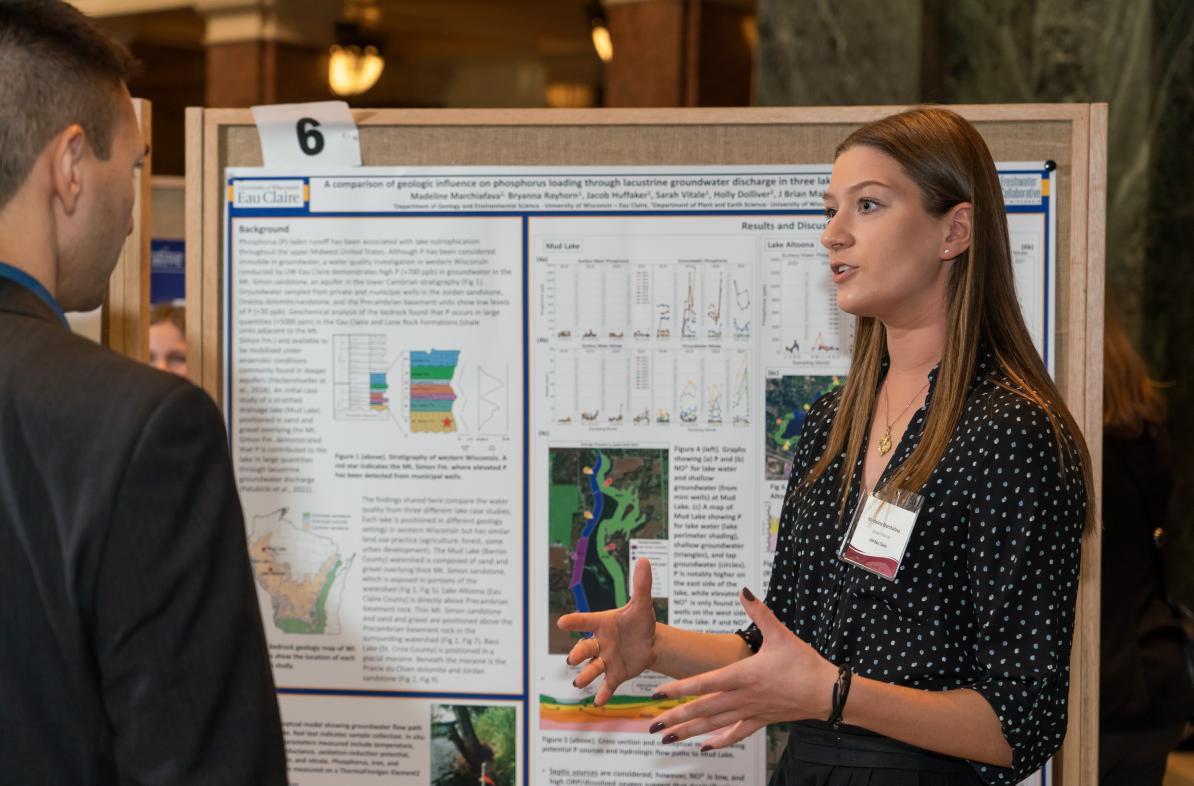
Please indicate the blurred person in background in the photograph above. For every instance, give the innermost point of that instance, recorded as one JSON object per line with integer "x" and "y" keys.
{"x": 168, "y": 338}
{"x": 1145, "y": 686}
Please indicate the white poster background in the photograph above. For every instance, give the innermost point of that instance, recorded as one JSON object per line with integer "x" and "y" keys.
{"x": 663, "y": 306}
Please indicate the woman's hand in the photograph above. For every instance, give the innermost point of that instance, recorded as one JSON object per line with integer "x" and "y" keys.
{"x": 622, "y": 644}
{"x": 787, "y": 680}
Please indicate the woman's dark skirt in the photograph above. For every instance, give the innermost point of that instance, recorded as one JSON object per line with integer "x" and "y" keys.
{"x": 818, "y": 755}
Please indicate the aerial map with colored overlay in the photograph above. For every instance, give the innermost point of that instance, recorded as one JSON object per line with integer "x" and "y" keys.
{"x": 302, "y": 572}
{"x": 600, "y": 499}
{"x": 788, "y": 401}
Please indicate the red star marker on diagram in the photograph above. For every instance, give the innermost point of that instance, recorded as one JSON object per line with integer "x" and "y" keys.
{"x": 447, "y": 422}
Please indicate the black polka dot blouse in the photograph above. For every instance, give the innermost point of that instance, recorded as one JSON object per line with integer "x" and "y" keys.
{"x": 984, "y": 598}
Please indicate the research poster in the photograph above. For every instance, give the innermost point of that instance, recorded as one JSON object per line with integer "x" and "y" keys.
{"x": 463, "y": 401}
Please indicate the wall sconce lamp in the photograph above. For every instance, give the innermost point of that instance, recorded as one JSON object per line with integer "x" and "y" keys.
{"x": 600, "y": 32}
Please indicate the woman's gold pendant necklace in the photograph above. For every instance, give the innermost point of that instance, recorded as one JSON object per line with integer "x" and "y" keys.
{"x": 885, "y": 440}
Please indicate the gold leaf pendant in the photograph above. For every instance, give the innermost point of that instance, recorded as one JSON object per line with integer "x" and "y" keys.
{"x": 885, "y": 442}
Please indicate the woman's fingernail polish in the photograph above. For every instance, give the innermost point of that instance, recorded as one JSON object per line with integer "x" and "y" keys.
{"x": 669, "y": 739}
{"x": 656, "y": 727}
{"x": 748, "y": 594}
{"x": 658, "y": 696}
{"x": 706, "y": 748}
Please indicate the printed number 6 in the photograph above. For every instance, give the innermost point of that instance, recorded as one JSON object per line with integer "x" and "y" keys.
{"x": 310, "y": 140}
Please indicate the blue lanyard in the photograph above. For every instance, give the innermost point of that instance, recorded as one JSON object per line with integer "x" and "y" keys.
{"x": 32, "y": 284}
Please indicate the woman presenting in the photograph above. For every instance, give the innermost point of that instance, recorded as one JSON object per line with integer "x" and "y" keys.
{"x": 949, "y": 661}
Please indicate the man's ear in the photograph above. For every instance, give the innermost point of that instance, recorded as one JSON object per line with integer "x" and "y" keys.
{"x": 957, "y": 238}
{"x": 67, "y": 152}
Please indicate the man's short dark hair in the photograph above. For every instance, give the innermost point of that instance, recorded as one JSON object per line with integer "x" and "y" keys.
{"x": 56, "y": 68}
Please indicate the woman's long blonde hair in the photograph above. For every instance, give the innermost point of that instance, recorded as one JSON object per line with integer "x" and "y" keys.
{"x": 950, "y": 163}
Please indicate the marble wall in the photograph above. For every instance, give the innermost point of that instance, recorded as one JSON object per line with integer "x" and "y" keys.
{"x": 1009, "y": 51}
{"x": 1167, "y": 283}
{"x": 1134, "y": 54}
{"x": 833, "y": 52}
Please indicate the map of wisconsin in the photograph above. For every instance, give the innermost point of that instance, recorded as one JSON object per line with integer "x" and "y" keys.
{"x": 302, "y": 572}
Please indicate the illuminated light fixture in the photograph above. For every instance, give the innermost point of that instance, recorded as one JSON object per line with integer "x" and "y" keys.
{"x": 352, "y": 69}
{"x": 570, "y": 95}
{"x": 750, "y": 31}
{"x": 355, "y": 61}
{"x": 602, "y": 41}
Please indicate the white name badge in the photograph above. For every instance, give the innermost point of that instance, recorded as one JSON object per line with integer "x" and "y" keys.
{"x": 880, "y": 531}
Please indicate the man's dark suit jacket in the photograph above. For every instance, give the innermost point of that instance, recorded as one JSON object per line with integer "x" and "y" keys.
{"x": 131, "y": 644}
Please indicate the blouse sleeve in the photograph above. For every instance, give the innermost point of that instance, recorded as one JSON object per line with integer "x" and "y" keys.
{"x": 1023, "y": 551}
{"x": 811, "y": 441}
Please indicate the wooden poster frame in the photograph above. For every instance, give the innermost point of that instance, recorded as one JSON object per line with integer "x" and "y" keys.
{"x": 1072, "y": 135}
{"x": 126, "y": 307}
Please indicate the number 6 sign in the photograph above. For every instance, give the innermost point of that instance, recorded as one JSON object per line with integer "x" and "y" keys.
{"x": 320, "y": 134}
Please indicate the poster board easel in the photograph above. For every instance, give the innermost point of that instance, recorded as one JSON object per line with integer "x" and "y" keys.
{"x": 1072, "y": 135}
{"x": 126, "y": 308}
